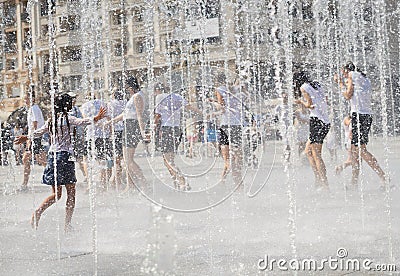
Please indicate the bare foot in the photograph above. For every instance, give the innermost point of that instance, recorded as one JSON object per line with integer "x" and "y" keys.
{"x": 68, "y": 229}
{"x": 338, "y": 169}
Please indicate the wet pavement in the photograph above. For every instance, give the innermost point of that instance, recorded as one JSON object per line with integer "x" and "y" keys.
{"x": 116, "y": 234}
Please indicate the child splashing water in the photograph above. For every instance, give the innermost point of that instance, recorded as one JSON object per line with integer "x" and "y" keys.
{"x": 62, "y": 171}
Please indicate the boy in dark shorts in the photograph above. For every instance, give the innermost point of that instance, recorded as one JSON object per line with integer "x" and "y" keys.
{"x": 35, "y": 121}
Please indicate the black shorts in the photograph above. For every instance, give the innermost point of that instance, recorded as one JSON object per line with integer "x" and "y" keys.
{"x": 230, "y": 135}
{"x": 170, "y": 139}
{"x": 117, "y": 143}
{"x": 364, "y": 126}
{"x": 36, "y": 146}
{"x": 80, "y": 148}
{"x": 103, "y": 148}
{"x": 132, "y": 135}
{"x": 318, "y": 130}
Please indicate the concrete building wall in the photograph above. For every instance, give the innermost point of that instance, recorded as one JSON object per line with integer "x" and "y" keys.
{"x": 167, "y": 28}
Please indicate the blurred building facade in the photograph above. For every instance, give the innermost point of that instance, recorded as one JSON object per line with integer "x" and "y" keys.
{"x": 247, "y": 34}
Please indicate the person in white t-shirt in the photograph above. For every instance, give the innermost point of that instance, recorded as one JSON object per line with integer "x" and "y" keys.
{"x": 99, "y": 135}
{"x": 35, "y": 121}
{"x": 115, "y": 108}
{"x": 358, "y": 91}
{"x": 315, "y": 100}
{"x": 230, "y": 103}
{"x": 167, "y": 118}
{"x": 134, "y": 131}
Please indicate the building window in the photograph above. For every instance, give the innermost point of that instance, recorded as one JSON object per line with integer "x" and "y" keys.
{"x": 44, "y": 31}
{"x": 11, "y": 64}
{"x": 138, "y": 14}
{"x": 71, "y": 53}
{"x": 24, "y": 12}
{"x": 72, "y": 83}
{"x": 69, "y": 23}
{"x": 273, "y": 7}
{"x": 98, "y": 84}
{"x": 44, "y": 7}
{"x": 116, "y": 17}
{"x": 307, "y": 11}
{"x": 292, "y": 9}
{"x": 10, "y": 14}
{"x": 212, "y": 9}
{"x": 11, "y": 42}
{"x": 140, "y": 46}
{"x": 120, "y": 48}
{"x": 274, "y": 35}
{"x": 208, "y": 9}
{"x": 214, "y": 40}
{"x": 295, "y": 39}
{"x": 46, "y": 64}
{"x": 27, "y": 38}
{"x": 367, "y": 15}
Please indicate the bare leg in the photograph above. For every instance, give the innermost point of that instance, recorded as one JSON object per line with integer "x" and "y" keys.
{"x": 83, "y": 167}
{"x": 372, "y": 162}
{"x": 311, "y": 159}
{"x": 41, "y": 158}
{"x": 355, "y": 163}
{"x": 103, "y": 176}
{"x": 133, "y": 167}
{"x": 70, "y": 205}
{"x": 50, "y": 200}
{"x": 169, "y": 161}
{"x": 237, "y": 165}
{"x": 301, "y": 148}
{"x": 226, "y": 157}
{"x": 117, "y": 173}
{"x": 319, "y": 162}
{"x": 26, "y": 160}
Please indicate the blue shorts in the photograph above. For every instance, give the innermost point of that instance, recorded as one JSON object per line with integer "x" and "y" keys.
{"x": 211, "y": 135}
{"x": 65, "y": 169}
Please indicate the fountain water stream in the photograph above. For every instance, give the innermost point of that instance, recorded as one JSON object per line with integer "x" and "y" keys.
{"x": 184, "y": 46}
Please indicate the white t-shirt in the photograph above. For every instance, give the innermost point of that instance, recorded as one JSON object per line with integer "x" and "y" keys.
{"x": 130, "y": 108}
{"x": 234, "y": 111}
{"x": 90, "y": 109}
{"x": 361, "y": 100}
{"x": 34, "y": 115}
{"x": 318, "y": 98}
{"x": 115, "y": 108}
{"x": 170, "y": 107}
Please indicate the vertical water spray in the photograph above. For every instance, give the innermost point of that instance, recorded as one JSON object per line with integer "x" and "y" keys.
{"x": 285, "y": 12}
{"x": 380, "y": 8}
{"x": 91, "y": 53}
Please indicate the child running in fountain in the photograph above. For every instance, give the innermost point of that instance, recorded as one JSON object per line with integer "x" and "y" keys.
{"x": 346, "y": 124}
{"x": 61, "y": 149}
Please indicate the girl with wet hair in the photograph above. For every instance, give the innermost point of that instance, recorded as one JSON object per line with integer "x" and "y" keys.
{"x": 315, "y": 100}
{"x": 60, "y": 169}
{"x": 357, "y": 89}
